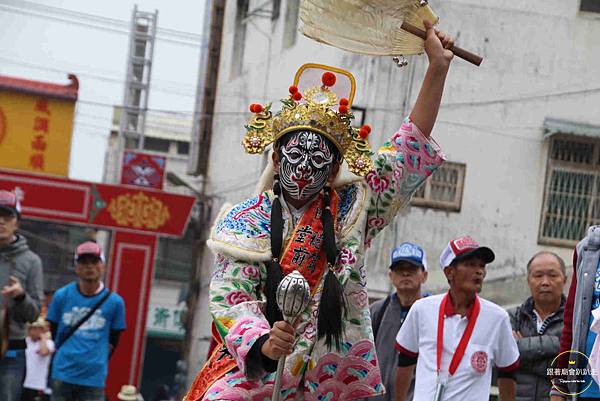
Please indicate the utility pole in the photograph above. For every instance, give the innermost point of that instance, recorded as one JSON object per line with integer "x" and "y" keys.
{"x": 197, "y": 324}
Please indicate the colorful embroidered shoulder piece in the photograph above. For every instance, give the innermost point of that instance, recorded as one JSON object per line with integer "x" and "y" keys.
{"x": 353, "y": 200}
{"x": 245, "y": 227}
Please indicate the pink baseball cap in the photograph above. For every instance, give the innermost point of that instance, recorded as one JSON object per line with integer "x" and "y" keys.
{"x": 89, "y": 248}
{"x": 10, "y": 202}
{"x": 464, "y": 247}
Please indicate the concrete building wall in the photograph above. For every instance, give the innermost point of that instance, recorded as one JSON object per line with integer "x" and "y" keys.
{"x": 541, "y": 60}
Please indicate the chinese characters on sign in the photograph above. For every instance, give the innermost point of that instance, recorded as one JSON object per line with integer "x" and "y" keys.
{"x": 36, "y": 124}
{"x": 41, "y": 124}
{"x": 166, "y": 320}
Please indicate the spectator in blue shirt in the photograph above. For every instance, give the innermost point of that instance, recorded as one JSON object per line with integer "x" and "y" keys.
{"x": 80, "y": 364}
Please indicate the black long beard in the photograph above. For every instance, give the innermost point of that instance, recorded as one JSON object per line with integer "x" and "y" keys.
{"x": 332, "y": 306}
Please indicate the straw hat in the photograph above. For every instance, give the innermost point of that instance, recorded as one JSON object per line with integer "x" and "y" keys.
{"x": 128, "y": 393}
{"x": 40, "y": 323}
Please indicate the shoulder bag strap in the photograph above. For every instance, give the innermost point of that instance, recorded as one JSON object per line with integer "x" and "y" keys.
{"x": 74, "y": 328}
{"x": 377, "y": 321}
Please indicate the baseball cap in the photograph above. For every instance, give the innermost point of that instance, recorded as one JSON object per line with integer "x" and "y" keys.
{"x": 409, "y": 252}
{"x": 10, "y": 202}
{"x": 89, "y": 248}
{"x": 463, "y": 247}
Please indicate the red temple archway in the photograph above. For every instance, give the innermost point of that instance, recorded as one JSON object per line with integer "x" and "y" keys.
{"x": 136, "y": 216}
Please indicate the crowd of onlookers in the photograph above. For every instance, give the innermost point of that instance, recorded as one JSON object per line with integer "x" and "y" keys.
{"x": 422, "y": 341}
{"x": 64, "y": 355}
{"x": 530, "y": 347}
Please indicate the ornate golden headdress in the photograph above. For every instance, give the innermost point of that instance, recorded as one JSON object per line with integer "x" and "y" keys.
{"x": 315, "y": 111}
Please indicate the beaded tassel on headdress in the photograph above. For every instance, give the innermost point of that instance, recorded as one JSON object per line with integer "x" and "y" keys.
{"x": 274, "y": 273}
{"x": 332, "y": 308}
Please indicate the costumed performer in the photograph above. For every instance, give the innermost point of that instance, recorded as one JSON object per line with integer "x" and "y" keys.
{"x": 305, "y": 220}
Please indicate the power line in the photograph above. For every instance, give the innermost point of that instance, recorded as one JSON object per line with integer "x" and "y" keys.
{"x": 490, "y": 130}
{"x": 154, "y": 87}
{"x": 98, "y": 22}
{"x": 103, "y": 19}
{"x": 164, "y": 111}
{"x": 111, "y": 105}
{"x": 97, "y": 71}
{"x": 520, "y": 98}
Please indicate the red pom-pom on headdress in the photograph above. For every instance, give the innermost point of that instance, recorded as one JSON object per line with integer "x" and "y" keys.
{"x": 297, "y": 96}
{"x": 293, "y": 89}
{"x": 256, "y": 108}
{"x": 364, "y": 131}
{"x": 343, "y": 109}
{"x": 344, "y": 102}
{"x": 328, "y": 78}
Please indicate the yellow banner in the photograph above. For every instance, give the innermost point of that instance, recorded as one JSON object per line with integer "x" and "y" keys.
{"x": 35, "y": 133}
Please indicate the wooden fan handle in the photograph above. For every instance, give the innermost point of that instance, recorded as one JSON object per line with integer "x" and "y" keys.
{"x": 459, "y": 52}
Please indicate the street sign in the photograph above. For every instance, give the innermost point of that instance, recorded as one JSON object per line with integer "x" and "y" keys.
{"x": 120, "y": 207}
{"x": 36, "y": 124}
{"x": 143, "y": 169}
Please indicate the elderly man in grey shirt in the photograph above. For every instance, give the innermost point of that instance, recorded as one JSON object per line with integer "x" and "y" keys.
{"x": 408, "y": 272}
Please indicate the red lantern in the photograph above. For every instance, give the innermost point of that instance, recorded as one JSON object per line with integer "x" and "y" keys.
{"x": 344, "y": 102}
{"x": 293, "y": 89}
{"x": 343, "y": 109}
{"x": 297, "y": 96}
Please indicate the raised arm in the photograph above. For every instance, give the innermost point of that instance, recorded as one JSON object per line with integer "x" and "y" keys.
{"x": 428, "y": 102}
{"x": 404, "y": 162}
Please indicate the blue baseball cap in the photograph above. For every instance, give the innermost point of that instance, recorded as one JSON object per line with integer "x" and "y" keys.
{"x": 409, "y": 252}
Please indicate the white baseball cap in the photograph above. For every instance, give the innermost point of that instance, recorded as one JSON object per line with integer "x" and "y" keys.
{"x": 463, "y": 247}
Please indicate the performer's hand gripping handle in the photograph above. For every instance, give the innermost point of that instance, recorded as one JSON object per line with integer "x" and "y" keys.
{"x": 458, "y": 51}
{"x": 293, "y": 295}
{"x": 280, "y": 342}
{"x": 279, "y": 345}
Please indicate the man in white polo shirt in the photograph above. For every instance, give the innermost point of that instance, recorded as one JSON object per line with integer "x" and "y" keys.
{"x": 454, "y": 338}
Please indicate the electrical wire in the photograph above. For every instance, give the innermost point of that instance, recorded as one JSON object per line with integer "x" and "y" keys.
{"x": 99, "y": 18}
{"x": 153, "y": 87}
{"x": 40, "y": 14}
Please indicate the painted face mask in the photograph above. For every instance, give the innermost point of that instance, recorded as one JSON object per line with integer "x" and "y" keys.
{"x": 306, "y": 162}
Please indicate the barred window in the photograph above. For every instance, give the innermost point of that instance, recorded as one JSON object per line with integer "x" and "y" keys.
{"x": 444, "y": 189}
{"x": 590, "y": 6}
{"x": 572, "y": 190}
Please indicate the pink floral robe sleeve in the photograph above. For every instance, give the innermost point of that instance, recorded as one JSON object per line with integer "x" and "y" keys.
{"x": 401, "y": 166}
{"x": 235, "y": 307}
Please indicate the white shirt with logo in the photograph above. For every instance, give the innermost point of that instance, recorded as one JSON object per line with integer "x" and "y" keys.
{"x": 491, "y": 343}
{"x": 37, "y": 365}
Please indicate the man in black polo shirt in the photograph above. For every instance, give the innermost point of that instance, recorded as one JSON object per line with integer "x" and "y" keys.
{"x": 408, "y": 272}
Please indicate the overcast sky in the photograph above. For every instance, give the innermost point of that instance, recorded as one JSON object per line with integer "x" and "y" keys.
{"x": 46, "y": 39}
